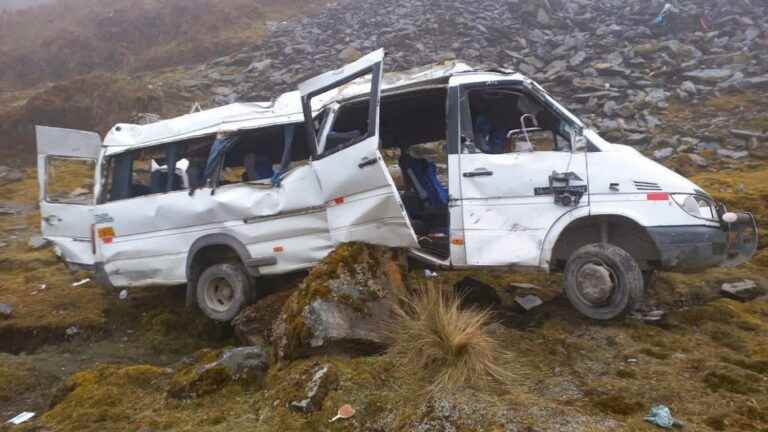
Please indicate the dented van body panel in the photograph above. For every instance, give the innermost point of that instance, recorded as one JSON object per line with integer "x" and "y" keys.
{"x": 319, "y": 186}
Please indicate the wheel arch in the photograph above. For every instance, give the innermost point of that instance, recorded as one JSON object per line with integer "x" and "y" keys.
{"x": 213, "y": 249}
{"x": 620, "y": 230}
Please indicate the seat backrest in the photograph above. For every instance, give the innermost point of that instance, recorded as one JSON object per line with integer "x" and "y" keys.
{"x": 258, "y": 167}
{"x": 157, "y": 181}
{"x": 195, "y": 173}
{"x": 423, "y": 176}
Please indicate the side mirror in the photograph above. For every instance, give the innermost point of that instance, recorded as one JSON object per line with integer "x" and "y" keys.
{"x": 579, "y": 143}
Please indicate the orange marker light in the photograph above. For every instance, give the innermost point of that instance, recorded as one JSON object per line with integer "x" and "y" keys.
{"x": 106, "y": 234}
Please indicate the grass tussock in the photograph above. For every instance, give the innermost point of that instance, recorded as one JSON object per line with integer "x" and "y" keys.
{"x": 452, "y": 346}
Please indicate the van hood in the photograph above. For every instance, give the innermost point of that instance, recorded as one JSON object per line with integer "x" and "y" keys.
{"x": 648, "y": 175}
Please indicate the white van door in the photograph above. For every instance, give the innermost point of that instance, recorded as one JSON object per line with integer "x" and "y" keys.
{"x": 517, "y": 182}
{"x": 362, "y": 202}
{"x": 66, "y": 167}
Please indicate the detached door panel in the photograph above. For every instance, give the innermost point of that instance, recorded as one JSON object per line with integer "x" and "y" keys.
{"x": 362, "y": 202}
{"x": 66, "y": 166}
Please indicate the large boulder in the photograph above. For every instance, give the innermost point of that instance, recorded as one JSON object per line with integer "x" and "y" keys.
{"x": 343, "y": 304}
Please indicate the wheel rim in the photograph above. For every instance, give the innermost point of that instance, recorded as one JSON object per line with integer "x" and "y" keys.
{"x": 219, "y": 294}
{"x": 595, "y": 283}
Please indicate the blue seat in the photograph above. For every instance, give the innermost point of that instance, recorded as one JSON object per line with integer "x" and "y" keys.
{"x": 423, "y": 176}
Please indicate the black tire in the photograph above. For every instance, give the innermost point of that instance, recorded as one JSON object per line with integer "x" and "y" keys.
{"x": 603, "y": 281}
{"x": 222, "y": 290}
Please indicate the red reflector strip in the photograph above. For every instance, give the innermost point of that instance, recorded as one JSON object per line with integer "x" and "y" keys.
{"x": 278, "y": 249}
{"x": 658, "y": 196}
{"x": 339, "y": 200}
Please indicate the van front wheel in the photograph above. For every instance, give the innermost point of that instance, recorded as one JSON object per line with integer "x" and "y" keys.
{"x": 603, "y": 281}
{"x": 222, "y": 290}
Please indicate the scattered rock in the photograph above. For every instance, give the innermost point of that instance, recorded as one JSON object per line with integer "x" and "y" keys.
{"x": 543, "y": 17}
{"x": 10, "y": 175}
{"x": 37, "y": 242}
{"x": 208, "y": 371}
{"x": 5, "y": 310}
{"x": 72, "y": 331}
{"x": 709, "y": 76}
{"x": 476, "y": 293}
{"x": 324, "y": 380}
{"x": 733, "y": 154}
{"x": 350, "y": 54}
{"x": 664, "y": 153}
{"x": 743, "y": 291}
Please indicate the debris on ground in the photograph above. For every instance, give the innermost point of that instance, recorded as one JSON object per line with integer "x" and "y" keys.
{"x": 529, "y": 302}
{"x": 123, "y": 295}
{"x": 654, "y": 315}
{"x": 325, "y": 378}
{"x": 661, "y": 416}
{"x": 345, "y": 411}
{"x": 743, "y": 290}
{"x": 21, "y": 418}
{"x": 72, "y": 331}
{"x": 82, "y": 282}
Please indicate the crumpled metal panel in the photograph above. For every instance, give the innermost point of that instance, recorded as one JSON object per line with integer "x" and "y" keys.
{"x": 154, "y": 233}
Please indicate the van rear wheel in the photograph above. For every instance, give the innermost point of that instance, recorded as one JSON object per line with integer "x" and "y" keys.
{"x": 603, "y": 281}
{"x": 222, "y": 290}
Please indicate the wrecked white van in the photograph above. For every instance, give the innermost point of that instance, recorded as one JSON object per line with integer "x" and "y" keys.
{"x": 465, "y": 168}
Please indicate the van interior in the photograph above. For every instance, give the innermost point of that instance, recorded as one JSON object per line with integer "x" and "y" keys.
{"x": 413, "y": 142}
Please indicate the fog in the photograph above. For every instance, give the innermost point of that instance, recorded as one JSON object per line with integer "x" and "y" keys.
{"x": 21, "y": 4}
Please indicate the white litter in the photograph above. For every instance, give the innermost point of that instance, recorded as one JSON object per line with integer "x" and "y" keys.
{"x": 21, "y": 418}
{"x": 123, "y": 294}
{"x": 429, "y": 273}
{"x": 529, "y": 302}
{"x": 82, "y": 282}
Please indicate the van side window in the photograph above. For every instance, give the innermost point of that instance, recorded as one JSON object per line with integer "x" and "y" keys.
{"x": 349, "y": 127}
{"x": 507, "y": 120}
{"x": 146, "y": 171}
{"x": 69, "y": 180}
{"x": 257, "y": 155}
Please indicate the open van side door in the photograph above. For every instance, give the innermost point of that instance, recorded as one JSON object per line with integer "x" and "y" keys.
{"x": 66, "y": 166}
{"x": 362, "y": 202}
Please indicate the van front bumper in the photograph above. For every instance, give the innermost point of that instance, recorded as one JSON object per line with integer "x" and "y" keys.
{"x": 692, "y": 248}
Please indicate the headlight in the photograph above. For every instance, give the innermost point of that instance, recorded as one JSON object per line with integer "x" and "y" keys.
{"x": 696, "y": 205}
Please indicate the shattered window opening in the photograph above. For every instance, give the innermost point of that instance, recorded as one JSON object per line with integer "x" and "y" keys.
{"x": 69, "y": 180}
{"x": 260, "y": 154}
{"x": 145, "y": 172}
{"x": 505, "y": 120}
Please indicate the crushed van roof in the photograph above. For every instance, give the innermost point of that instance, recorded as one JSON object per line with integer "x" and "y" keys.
{"x": 285, "y": 109}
